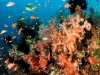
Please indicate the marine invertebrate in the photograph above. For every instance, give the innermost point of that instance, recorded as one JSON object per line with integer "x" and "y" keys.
{"x": 69, "y": 67}
{"x": 65, "y": 39}
{"x": 37, "y": 64}
{"x": 14, "y": 53}
{"x": 73, "y": 38}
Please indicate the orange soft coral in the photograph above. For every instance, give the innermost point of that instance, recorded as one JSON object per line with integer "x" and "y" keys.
{"x": 42, "y": 62}
{"x": 64, "y": 39}
{"x": 37, "y": 63}
{"x": 40, "y": 47}
{"x": 69, "y": 68}
{"x": 32, "y": 60}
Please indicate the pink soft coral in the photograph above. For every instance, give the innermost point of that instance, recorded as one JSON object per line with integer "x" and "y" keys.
{"x": 40, "y": 47}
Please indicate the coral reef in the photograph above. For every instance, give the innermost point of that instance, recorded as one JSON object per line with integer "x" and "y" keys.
{"x": 70, "y": 48}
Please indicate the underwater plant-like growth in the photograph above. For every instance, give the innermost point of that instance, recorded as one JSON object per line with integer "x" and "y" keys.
{"x": 71, "y": 48}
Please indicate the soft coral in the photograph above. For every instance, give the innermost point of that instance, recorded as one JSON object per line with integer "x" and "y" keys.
{"x": 69, "y": 68}
{"x": 37, "y": 63}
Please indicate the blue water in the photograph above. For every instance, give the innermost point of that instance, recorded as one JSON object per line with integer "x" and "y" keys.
{"x": 17, "y": 10}
{"x": 41, "y": 11}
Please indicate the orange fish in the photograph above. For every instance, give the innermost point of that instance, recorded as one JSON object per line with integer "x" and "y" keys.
{"x": 10, "y": 41}
{"x": 10, "y": 65}
{"x": 16, "y": 67}
{"x": 67, "y": 5}
{"x": 20, "y": 30}
{"x": 6, "y": 61}
{"x": 1, "y": 58}
{"x": 14, "y": 37}
{"x": 48, "y": 56}
{"x": 0, "y": 65}
{"x": 92, "y": 60}
{"x": 14, "y": 25}
{"x": 34, "y": 17}
{"x": 22, "y": 18}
